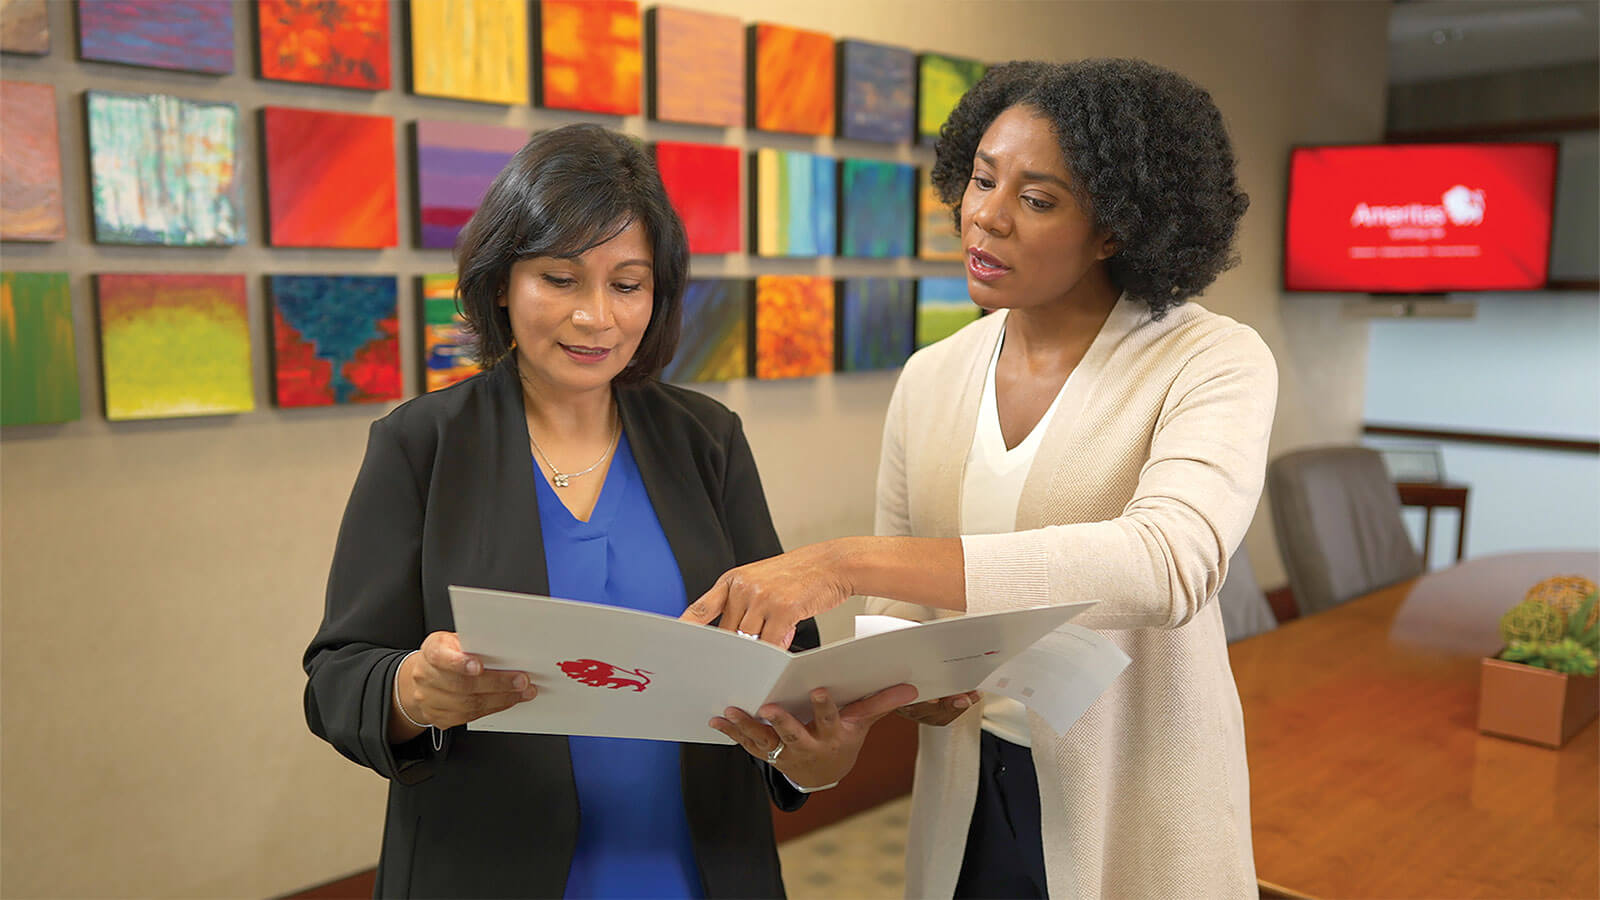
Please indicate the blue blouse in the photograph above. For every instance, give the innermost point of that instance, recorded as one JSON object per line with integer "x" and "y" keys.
{"x": 633, "y": 833}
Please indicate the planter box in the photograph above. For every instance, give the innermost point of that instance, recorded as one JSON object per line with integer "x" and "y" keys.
{"x": 1535, "y": 705}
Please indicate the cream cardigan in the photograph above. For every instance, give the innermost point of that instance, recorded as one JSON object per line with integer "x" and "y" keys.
{"x": 1142, "y": 488}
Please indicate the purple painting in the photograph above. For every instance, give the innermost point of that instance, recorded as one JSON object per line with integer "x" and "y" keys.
{"x": 188, "y": 35}
{"x": 456, "y": 163}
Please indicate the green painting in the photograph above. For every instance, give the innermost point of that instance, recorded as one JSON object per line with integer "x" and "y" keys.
{"x": 38, "y": 362}
{"x": 174, "y": 345}
{"x": 941, "y": 82}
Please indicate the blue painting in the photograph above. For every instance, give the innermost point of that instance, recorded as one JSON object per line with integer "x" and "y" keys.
{"x": 875, "y": 323}
{"x": 714, "y": 343}
{"x": 187, "y": 35}
{"x": 878, "y": 88}
{"x": 877, "y": 208}
{"x": 336, "y": 339}
{"x": 794, "y": 204}
{"x": 943, "y": 308}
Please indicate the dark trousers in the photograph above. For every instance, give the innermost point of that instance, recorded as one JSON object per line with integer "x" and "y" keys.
{"x": 1005, "y": 849}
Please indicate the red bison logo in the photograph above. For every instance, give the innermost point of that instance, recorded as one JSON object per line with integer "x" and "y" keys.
{"x": 595, "y": 673}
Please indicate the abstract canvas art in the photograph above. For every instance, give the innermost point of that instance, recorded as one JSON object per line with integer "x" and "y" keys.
{"x": 697, "y": 67}
{"x": 165, "y": 170}
{"x": 343, "y": 43}
{"x": 590, "y": 59}
{"x": 794, "y": 203}
{"x": 446, "y": 344}
{"x": 470, "y": 50}
{"x": 937, "y": 238}
{"x": 456, "y": 163}
{"x": 875, "y": 323}
{"x": 174, "y": 345}
{"x": 30, "y": 164}
{"x": 941, "y": 80}
{"x": 187, "y": 35}
{"x": 38, "y": 359}
{"x": 330, "y": 178}
{"x": 794, "y": 326}
{"x": 879, "y": 85}
{"x": 793, "y": 72}
{"x": 876, "y": 208}
{"x": 24, "y": 27}
{"x": 943, "y": 308}
{"x": 335, "y": 339}
{"x": 702, "y": 180}
{"x": 714, "y": 343}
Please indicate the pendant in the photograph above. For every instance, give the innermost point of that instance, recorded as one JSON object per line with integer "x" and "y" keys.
{"x": 560, "y": 479}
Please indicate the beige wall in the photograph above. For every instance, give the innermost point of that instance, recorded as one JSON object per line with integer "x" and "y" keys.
{"x": 158, "y": 581}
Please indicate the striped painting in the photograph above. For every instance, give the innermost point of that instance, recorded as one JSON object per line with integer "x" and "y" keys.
{"x": 590, "y": 58}
{"x": 30, "y": 164}
{"x": 875, "y": 323}
{"x": 38, "y": 357}
{"x": 943, "y": 308}
{"x": 330, "y": 178}
{"x": 335, "y": 339}
{"x": 877, "y": 94}
{"x": 795, "y": 204}
{"x": 165, "y": 170}
{"x": 714, "y": 342}
{"x": 456, "y": 163}
{"x": 446, "y": 344}
{"x": 793, "y": 71}
{"x": 698, "y": 67}
{"x": 794, "y": 326}
{"x": 173, "y": 345}
{"x": 470, "y": 50}
{"x": 877, "y": 208}
{"x": 186, "y": 35}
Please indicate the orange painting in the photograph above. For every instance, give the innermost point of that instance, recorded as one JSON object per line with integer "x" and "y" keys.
{"x": 591, "y": 56}
{"x": 794, "y": 72}
{"x": 344, "y": 43}
{"x": 794, "y": 326}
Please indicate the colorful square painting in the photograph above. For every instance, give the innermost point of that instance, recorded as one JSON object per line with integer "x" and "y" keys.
{"x": 793, "y": 72}
{"x": 715, "y": 342}
{"x": 165, "y": 170}
{"x": 174, "y": 345}
{"x": 343, "y": 43}
{"x": 794, "y": 326}
{"x": 943, "y": 308}
{"x": 187, "y": 35}
{"x": 875, "y": 323}
{"x": 446, "y": 343}
{"x": 941, "y": 82}
{"x": 335, "y": 339}
{"x": 330, "y": 178}
{"x": 456, "y": 163}
{"x": 470, "y": 50}
{"x": 876, "y": 208}
{"x": 697, "y": 67}
{"x": 937, "y": 238}
{"x": 38, "y": 358}
{"x": 24, "y": 27}
{"x": 30, "y": 164}
{"x": 879, "y": 84}
{"x": 702, "y": 180}
{"x": 795, "y": 203}
{"x": 590, "y": 57}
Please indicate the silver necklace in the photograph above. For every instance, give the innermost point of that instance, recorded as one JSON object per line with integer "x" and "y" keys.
{"x": 562, "y": 479}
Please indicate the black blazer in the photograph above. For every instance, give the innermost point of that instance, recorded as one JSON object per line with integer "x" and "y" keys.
{"x": 446, "y": 496}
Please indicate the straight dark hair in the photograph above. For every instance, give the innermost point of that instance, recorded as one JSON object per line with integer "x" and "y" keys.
{"x": 567, "y": 191}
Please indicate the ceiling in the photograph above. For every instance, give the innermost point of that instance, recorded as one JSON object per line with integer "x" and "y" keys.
{"x": 1431, "y": 40}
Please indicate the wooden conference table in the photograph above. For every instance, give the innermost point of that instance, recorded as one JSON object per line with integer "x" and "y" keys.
{"x": 1368, "y": 775}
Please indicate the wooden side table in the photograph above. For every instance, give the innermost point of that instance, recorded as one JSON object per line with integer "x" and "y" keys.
{"x": 1431, "y": 495}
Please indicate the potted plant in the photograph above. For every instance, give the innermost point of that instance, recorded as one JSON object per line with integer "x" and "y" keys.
{"x": 1541, "y": 686}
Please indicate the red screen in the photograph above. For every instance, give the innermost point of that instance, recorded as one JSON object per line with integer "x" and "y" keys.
{"x": 1419, "y": 217}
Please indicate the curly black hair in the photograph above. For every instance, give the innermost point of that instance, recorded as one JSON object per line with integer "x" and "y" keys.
{"x": 1149, "y": 156}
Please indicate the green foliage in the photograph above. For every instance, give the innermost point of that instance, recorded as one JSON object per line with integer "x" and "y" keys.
{"x": 1586, "y": 636}
{"x": 1567, "y": 656}
{"x": 1532, "y": 622}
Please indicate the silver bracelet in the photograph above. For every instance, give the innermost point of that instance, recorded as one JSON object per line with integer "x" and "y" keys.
{"x": 434, "y": 733}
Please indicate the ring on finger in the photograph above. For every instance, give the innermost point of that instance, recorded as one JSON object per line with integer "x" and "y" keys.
{"x": 772, "y": 755}
{"x": 746, "y": 634}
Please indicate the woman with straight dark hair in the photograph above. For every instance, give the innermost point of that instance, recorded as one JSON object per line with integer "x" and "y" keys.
{"x": 566, "y": 469}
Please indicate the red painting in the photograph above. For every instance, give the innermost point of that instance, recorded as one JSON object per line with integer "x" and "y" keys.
{"x": 702, "y": 181}
{"x": 591, "y": 59}
{"x": 344, "y": 43}
{"x": 330, "y": 178}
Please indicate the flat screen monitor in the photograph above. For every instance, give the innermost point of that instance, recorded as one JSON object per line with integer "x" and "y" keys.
{"x": 1419, "y": 218}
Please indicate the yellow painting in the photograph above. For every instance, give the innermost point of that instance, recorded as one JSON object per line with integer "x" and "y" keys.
{"x": 470, "y": 50}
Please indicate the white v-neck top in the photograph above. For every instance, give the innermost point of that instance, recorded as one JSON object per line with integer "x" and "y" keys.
{"x": 990, "y": 491}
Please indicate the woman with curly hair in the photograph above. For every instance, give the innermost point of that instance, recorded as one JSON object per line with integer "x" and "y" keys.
{"x": 1099, "y": 438}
